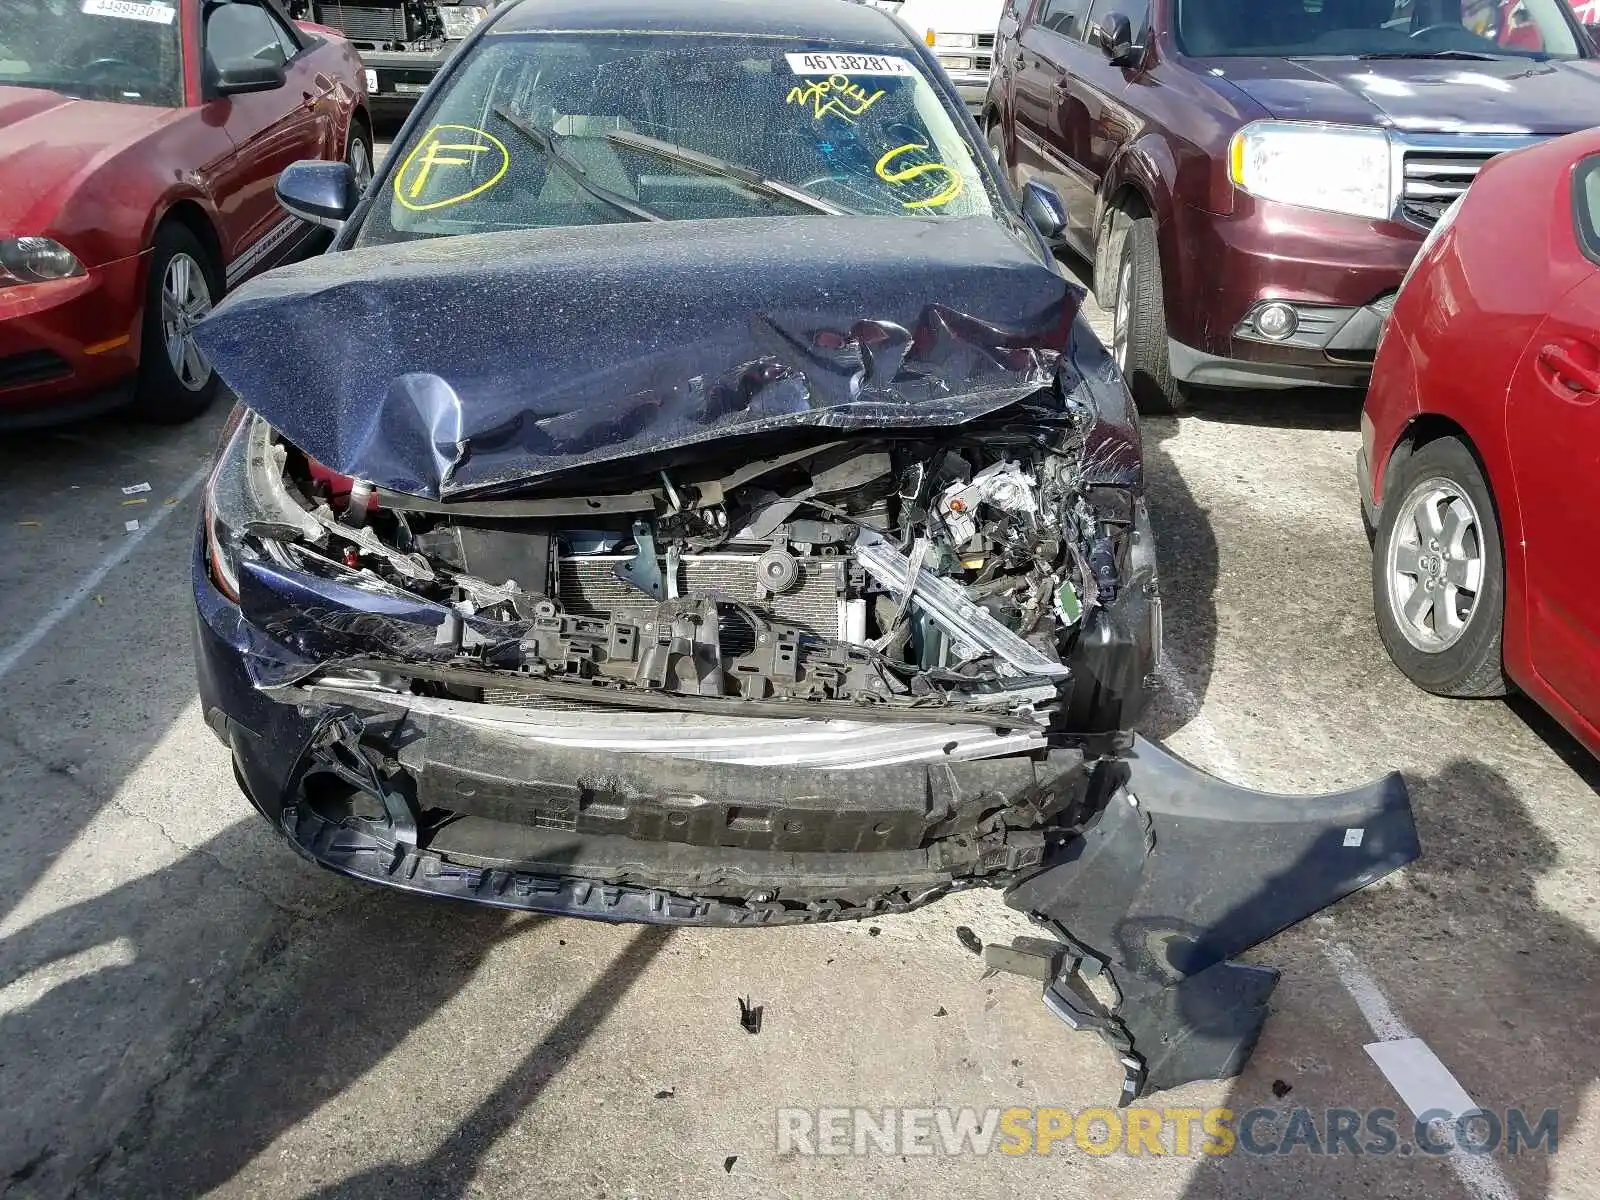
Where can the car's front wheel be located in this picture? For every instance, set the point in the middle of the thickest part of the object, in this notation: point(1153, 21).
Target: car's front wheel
point(1438, 572)
point(176, 382)
point(1139, 321)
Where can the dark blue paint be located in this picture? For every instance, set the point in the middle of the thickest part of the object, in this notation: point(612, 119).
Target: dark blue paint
point(453, 365)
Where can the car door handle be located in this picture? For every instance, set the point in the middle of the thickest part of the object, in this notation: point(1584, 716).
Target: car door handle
point(1569, 372)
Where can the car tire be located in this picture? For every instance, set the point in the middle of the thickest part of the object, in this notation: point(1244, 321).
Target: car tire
point(358, 152)
point(175, 381)
point(995, 136)
point(1139, 321)
point(1438, 573)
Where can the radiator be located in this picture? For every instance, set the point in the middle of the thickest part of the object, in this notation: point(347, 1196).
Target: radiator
point(366, 23)
point(588, 586)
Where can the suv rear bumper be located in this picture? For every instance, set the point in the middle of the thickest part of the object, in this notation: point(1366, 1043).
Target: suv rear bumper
point(1339, 273)
point(973, 87)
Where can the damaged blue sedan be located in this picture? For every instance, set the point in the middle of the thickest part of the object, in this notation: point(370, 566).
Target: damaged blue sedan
point(688, 492)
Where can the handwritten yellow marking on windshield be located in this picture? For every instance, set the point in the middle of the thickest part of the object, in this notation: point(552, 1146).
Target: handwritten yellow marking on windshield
point(835, 94)
point(952, 187)
point(479, 152)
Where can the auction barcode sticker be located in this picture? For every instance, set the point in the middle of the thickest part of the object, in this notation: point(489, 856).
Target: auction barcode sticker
point(131, 10)
point(849, 64)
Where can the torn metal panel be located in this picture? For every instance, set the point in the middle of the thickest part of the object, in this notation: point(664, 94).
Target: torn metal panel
point(684, 332)
point(975, 630)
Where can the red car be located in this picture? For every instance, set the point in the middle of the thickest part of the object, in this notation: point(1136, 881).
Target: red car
point(1480, 459)
point(141, 140)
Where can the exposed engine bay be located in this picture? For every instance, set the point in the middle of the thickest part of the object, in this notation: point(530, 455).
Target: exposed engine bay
point(893, 578)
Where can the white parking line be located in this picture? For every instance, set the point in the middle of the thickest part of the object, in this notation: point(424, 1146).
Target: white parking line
point(23, 646)
point(1416, 1073)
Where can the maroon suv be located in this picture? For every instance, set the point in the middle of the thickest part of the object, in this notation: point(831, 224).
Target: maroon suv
point(1251, 178)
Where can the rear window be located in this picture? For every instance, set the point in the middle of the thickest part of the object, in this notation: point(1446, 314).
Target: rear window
point(590, 129)
point(1387, 28)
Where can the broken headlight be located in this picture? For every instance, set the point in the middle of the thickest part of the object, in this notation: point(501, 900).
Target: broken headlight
point(461, 19)
point(247, 508)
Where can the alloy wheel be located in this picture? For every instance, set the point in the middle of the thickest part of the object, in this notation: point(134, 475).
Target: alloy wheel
point(1435, 564)
point(185, 300)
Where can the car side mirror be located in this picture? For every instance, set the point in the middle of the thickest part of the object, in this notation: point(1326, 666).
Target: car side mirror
point(241, 75)
point(1044, 209)
point(323, 193)
point(1114, 36)
point(1592, 28)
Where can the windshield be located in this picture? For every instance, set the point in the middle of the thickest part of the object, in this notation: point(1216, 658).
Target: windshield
point(1380, 28)
point(120, 50)
point(580, 130)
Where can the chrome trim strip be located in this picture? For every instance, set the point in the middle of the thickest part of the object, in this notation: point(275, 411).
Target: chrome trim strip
point(1466, 144)
point(273, 239)
point(829, 745)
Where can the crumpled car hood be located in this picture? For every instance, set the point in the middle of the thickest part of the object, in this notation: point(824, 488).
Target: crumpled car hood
point(463, 364)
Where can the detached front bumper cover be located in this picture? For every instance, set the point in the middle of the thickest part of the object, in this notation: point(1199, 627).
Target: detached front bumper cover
point(1178, 873)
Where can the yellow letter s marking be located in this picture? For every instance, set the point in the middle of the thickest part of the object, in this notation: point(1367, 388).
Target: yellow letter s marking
point(952, 187)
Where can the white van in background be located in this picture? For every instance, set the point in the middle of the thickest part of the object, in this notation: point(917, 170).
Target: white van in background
point(961, 33)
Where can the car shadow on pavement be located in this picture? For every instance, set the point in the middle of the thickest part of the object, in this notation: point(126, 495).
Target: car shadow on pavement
point(1332, 409)
point(323, 1002)
point(450, 1168)
point(1472, 959)
point(1186, 556)
point(274, 1017)
point(1186, 543)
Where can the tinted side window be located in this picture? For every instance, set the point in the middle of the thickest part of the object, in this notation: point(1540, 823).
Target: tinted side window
point(1586, 205)
point(1065, 17)
point(241, 31)
point(287, 38)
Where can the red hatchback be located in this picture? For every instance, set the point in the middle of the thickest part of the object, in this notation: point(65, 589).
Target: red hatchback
point(1480, 459)
point(141, 140)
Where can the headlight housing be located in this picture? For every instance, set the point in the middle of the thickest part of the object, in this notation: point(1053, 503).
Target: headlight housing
point(1335, 168)
point(36, 260)
point(248, 511)
point(952, 41)
point(955, 62)
point(460, 19)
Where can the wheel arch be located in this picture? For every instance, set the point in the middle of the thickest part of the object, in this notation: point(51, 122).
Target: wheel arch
point(193, 217)
point(191, 214)
point(1428, 427)
point(1135, 184)
point(359, 116)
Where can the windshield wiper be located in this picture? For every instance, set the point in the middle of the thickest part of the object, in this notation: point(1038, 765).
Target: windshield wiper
point(1465, 55)
point(710, 165)
point(574, 170)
